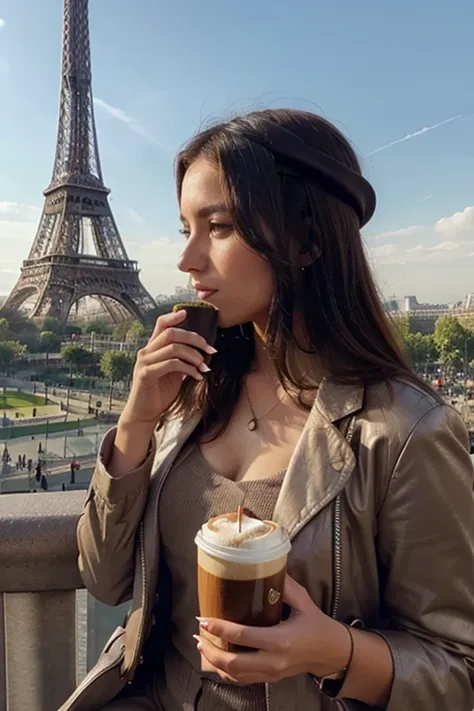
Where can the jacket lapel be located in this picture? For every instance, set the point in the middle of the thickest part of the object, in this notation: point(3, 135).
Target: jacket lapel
point(322, 461)
point(147, 558)
point(165, 457)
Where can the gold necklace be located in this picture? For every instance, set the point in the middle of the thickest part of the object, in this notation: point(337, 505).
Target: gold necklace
point(252, 424)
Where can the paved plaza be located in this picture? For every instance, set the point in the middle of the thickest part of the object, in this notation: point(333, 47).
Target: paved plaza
point(57, 452)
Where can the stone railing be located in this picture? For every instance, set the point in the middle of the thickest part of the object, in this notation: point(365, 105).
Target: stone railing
point(49, 633)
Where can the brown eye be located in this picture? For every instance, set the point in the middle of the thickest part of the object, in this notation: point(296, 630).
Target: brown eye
point(218, 228)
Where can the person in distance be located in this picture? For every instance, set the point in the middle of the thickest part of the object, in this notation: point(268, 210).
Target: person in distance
point(309, 415)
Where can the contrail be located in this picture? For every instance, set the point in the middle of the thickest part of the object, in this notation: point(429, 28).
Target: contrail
point(426, 129)
point(130, 121)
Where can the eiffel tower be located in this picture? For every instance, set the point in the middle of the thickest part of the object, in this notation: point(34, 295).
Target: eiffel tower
point(76, 215)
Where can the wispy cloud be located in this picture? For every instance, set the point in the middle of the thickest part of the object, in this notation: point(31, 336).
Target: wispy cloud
point(428, 197)
point(420, 253)
point(2, 23)
point(384, 251)
point(402, 232)
point(435, 261)
point(457, 231)
point(442, 247)
point(409, 136)
point(135, 217)
point(132, 123)
point(18, 211)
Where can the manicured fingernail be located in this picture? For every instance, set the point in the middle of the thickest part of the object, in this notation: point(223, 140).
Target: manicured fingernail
point(210, 350)
point(204, 368)
point(203, 622)
point(198, 640)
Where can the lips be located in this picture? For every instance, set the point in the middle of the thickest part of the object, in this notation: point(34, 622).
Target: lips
point(203, 292)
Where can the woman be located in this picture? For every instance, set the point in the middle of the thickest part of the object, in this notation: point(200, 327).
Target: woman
point(364, 465)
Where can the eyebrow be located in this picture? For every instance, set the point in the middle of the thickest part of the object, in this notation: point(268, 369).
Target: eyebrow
point(209, 210)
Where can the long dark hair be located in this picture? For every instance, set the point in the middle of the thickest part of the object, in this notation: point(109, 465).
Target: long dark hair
point(343, 321)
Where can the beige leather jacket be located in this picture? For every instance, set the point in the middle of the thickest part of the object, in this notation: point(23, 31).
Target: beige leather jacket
point(382, 531)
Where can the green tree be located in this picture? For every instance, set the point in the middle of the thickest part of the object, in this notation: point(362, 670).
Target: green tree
point(18, 321)
point(79, 358)
point(10, 351)
point(49, 342)
point(163, 308)
point(469, 346)
point(403, 325)
point(420, 349)
point(52, 324)
point(21, 329)
point(5, 331)
point(120, 330)
point(98, 326)
point(452, 340)
point(70, 328)
point(116, 366)
point(431, 349)
point(29, 339)
point(135, 331)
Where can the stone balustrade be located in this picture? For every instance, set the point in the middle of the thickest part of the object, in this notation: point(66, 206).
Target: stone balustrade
point(40, 658)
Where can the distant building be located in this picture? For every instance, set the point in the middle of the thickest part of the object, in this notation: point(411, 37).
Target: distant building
point(181, 293)
point(391, 305)
point(185, 293)
point(469, 301)
point(409, 303)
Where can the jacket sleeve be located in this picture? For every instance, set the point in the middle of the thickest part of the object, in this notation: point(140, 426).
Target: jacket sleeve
point(107, 528)
point(426, 546)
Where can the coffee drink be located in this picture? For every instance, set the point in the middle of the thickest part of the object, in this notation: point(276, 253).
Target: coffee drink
point(241, 570)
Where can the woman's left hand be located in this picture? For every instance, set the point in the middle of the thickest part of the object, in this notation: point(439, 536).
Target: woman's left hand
point(308, 642)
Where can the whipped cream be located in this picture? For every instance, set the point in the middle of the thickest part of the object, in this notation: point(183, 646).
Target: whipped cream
point(254, 534)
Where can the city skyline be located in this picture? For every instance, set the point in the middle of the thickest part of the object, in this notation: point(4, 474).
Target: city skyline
point(417, 150)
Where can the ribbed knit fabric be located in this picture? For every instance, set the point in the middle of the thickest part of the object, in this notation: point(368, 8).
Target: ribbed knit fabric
point(192, 494)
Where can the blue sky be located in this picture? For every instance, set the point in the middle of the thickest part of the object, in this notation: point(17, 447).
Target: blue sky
point(381, 71)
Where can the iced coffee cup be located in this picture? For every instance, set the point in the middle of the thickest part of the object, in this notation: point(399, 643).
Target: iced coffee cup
point(241, 571)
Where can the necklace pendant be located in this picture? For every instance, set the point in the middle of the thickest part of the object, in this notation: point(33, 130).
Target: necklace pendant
point(252, 424)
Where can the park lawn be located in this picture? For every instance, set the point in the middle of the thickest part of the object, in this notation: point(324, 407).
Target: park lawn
point(17, 400)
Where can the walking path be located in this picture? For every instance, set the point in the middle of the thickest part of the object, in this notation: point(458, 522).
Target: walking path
point(56, 456)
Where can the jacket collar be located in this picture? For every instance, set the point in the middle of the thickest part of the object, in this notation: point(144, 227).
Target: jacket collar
point(322, 461)
point(337, 401)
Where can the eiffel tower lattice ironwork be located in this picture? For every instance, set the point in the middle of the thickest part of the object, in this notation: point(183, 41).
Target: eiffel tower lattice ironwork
point(76, 214)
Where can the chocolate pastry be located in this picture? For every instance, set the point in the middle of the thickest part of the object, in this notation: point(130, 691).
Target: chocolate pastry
point(201, 318)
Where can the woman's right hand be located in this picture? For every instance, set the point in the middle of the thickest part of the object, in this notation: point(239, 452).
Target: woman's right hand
point(169, 357)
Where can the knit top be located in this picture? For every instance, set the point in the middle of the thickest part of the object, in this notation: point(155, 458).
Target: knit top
point(193, 493)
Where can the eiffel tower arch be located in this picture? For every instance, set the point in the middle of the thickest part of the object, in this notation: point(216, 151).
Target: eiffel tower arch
point(77, 217)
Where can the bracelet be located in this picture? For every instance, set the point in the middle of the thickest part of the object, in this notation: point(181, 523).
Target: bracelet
point(331, 684)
